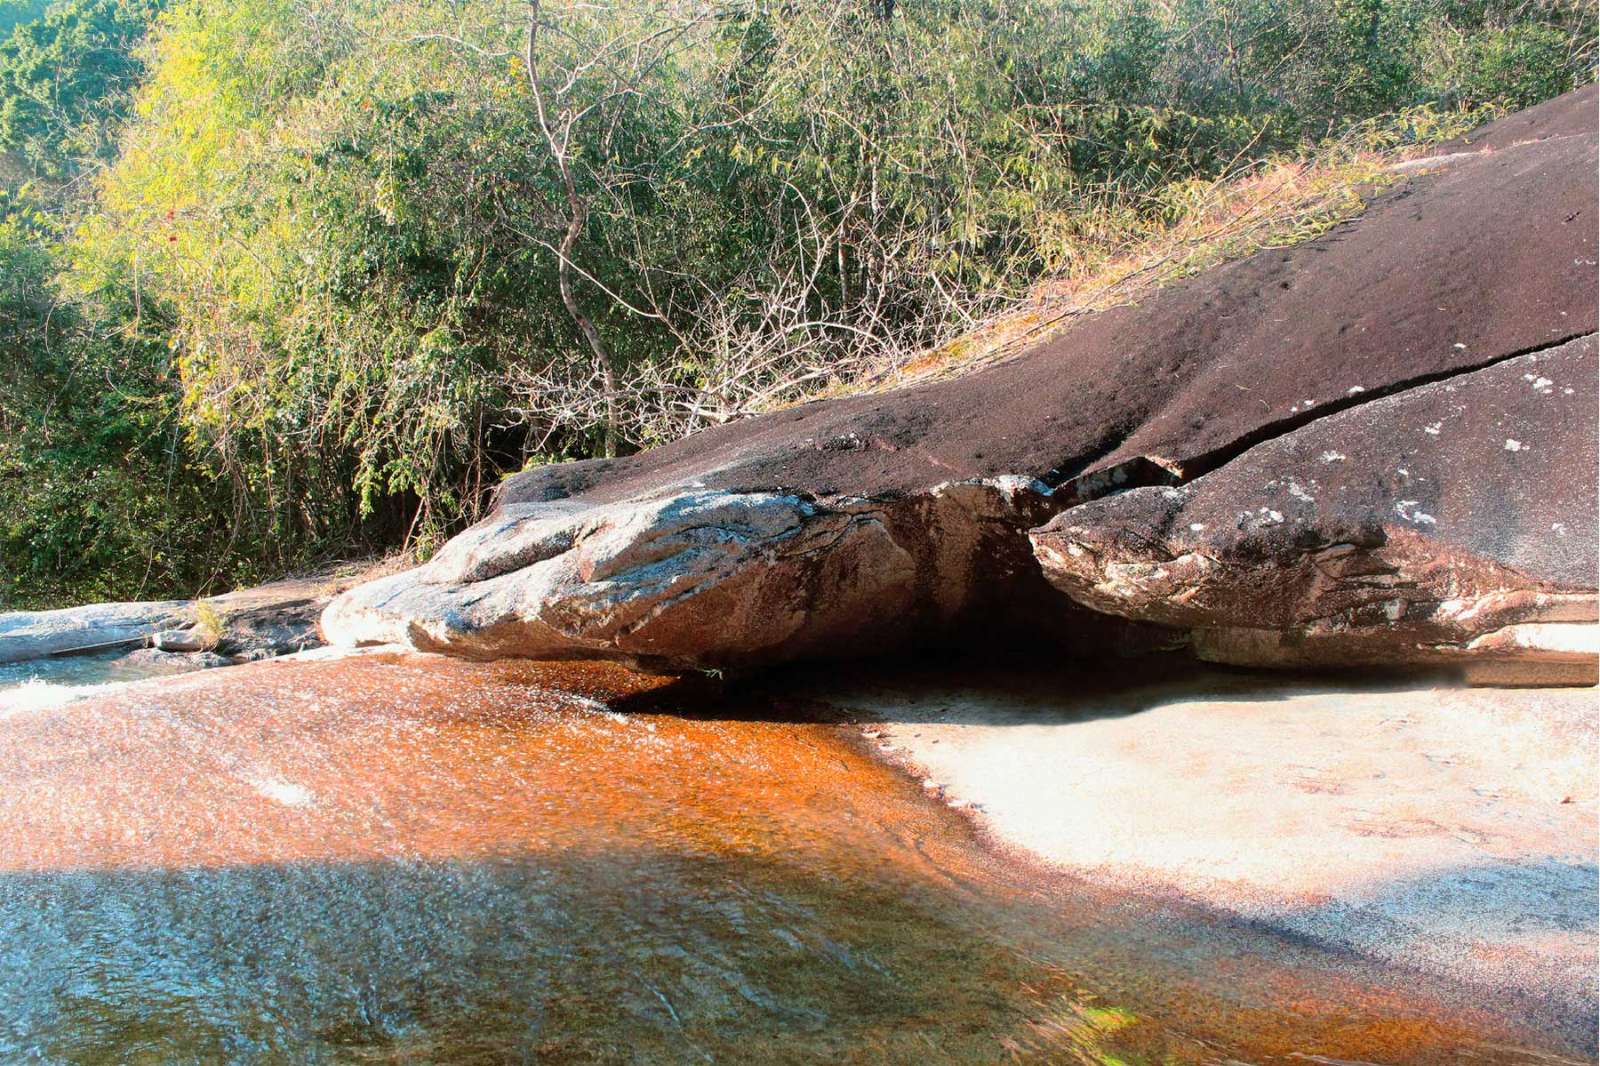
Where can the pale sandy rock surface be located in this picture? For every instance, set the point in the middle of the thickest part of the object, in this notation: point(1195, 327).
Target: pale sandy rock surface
point(1443, 829)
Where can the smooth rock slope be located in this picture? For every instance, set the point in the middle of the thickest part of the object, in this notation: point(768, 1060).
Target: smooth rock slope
point(271, 619)
point(35, 634)
point(849, 525)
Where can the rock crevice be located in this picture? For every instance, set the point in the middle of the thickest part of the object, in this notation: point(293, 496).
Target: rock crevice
point(1410, 529)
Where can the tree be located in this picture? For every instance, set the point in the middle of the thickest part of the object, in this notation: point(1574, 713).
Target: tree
point(65, 79)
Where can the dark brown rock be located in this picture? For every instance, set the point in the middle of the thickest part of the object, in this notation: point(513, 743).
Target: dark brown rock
point(1571, 115)
point(856, 523)
point(277, 618)
point(1454, 518)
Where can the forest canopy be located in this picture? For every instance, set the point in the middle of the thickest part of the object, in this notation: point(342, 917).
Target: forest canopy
point(287, 280)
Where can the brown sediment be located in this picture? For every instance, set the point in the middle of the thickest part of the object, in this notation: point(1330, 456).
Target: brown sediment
point(670, 808)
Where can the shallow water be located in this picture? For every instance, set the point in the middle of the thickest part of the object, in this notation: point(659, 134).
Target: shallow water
point(58, 679)
point(410, 859)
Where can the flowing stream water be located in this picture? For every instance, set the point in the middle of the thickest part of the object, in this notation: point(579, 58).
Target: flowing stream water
point(54, 680)
point(409, 859)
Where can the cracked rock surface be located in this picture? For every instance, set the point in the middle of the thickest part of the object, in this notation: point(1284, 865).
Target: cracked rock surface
point(1455, 519)
point(851, 525)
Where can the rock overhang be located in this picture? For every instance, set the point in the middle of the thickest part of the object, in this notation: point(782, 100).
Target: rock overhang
point(761, 540)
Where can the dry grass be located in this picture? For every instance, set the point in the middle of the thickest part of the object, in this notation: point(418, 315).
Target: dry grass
point(1118, 256)
point(210, 624)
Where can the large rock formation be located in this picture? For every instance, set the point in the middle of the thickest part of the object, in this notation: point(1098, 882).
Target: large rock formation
point(707, 577)
point(245, 624)
point(1454, 519)
point(851, 524)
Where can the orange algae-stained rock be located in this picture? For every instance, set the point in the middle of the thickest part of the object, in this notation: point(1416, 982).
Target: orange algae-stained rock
point(417, 857)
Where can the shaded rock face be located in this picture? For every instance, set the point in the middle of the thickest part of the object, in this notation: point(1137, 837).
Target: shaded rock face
point(1455, 518)
point(707, 578)
point(277, 618)
point(851, 525)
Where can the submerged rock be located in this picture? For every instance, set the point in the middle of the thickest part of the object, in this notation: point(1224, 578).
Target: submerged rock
point(1437, 828)
point(849, 525)
point(533, 862)
point(1455, 519)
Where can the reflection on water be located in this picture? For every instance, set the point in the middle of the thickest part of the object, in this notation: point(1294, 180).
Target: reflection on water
point(657, 958)
point(388, 859)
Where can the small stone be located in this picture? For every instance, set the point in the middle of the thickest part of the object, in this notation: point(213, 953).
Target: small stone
point(180, 640)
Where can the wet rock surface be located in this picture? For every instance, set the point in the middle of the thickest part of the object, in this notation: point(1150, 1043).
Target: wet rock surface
point(851, 525)
point(256, 623)
point(1395, 821)
point(413, 858)
point(34, 634)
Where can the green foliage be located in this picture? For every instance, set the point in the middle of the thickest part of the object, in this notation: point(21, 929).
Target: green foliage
point(64, 78)
point(96, 500)
point(14, 13)
point(315, 300)
point(1515, 66)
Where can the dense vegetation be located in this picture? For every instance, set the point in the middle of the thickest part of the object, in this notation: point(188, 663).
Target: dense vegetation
point(284, 279)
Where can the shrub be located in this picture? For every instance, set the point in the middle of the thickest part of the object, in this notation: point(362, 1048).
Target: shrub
point(351, 261)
